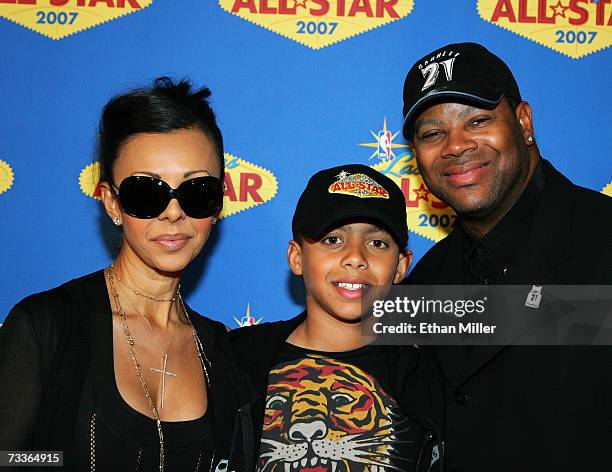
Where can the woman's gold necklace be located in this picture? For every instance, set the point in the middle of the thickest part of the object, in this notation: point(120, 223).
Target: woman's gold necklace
point(164, 352)
point(144, 295)
point(164, 360)
point(130, 341)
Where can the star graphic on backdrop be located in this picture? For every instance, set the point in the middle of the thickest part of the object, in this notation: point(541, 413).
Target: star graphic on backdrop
point(247, 320)
point(375, 144)
point(342, 175)
point(422, 192)
point(559, 9)
point(300, 3)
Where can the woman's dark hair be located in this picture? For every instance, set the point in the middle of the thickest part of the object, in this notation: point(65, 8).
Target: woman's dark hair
point(166, 106)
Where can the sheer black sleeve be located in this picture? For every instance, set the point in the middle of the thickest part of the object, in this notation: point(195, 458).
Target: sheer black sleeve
point(21, 385)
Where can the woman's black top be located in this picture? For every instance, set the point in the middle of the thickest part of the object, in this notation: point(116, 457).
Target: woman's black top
point(56, 372)
point(121, 438)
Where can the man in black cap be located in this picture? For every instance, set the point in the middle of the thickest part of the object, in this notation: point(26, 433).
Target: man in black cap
point(519, 222)
point(323, 398)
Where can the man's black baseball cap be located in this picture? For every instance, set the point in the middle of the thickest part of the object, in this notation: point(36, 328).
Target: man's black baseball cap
point(348, 192)
point(465, 71)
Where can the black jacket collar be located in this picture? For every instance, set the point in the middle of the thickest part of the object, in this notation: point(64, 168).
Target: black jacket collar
point(549, 243)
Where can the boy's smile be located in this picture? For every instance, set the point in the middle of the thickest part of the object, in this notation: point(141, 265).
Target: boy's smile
point(351, 290)
point(344, 265)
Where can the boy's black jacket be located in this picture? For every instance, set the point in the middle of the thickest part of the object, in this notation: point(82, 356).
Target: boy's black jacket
point(255, 350)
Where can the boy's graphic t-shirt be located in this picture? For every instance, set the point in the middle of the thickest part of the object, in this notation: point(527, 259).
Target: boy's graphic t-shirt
point(334, 412)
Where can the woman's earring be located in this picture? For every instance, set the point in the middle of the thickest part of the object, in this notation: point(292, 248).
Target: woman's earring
point(117, 221)
point(214, 221)
point(530, 139)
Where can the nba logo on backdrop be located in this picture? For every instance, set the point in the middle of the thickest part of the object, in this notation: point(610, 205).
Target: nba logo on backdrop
point(571, 27)
point(319, 23)
point(384, 144)
point(248, 319)
point(60, 18)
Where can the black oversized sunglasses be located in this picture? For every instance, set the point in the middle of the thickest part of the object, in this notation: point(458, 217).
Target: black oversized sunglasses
point(147, 197)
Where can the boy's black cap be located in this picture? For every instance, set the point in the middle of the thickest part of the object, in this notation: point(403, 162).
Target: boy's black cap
point(465, 71)
point(346, 192)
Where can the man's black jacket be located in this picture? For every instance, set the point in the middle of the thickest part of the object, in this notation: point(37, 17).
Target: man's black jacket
point(533, 408)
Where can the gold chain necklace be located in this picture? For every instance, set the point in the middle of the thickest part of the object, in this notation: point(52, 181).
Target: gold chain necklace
point(164, 360)
point(131, 343)
point(144, 295)
point(164, 352)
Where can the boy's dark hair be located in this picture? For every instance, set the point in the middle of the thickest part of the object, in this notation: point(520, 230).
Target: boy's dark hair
point(166, 106)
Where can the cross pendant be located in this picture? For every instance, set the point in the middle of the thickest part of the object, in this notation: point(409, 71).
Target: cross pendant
point(163, 373)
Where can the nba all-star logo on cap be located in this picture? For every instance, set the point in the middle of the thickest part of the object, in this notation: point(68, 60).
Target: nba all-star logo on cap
point(319, 23)
point(357, 185)
point(572, 27)
point(60, 18)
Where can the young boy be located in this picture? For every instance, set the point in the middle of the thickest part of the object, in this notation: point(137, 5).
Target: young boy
point(325, 400)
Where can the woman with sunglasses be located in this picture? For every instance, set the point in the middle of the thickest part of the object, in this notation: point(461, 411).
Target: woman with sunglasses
point(113, 368)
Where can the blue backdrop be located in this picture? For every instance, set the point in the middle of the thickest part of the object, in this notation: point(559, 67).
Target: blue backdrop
point(286, 109)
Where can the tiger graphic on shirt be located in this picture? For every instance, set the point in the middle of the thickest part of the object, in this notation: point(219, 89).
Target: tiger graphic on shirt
point(323, 415)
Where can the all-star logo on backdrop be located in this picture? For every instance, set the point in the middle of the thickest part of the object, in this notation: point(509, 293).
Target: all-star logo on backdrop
point(60, 18)
point(246, 184)
point(6, 176)
point(426, 215)
point(571, 27)
point(89, 181)
point(607, 190)
point(319, 23)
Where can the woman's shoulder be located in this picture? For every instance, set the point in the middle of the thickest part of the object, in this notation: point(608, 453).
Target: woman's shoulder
point(60, 296)
point(206, 324)
point(46, 312)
